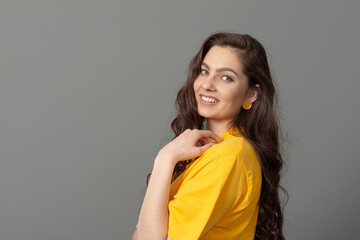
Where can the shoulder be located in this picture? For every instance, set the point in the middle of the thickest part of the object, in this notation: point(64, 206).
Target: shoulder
point(233, 145)
point(235, 148)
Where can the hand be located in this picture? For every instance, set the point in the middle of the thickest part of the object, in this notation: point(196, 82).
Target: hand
point(189, 144)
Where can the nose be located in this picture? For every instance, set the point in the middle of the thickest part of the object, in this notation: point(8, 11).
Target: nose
point(208, 84)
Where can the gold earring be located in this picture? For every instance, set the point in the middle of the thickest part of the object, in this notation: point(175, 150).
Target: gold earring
point(247, 104)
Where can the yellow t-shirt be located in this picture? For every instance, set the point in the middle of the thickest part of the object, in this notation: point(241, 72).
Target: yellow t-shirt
point(217, 196)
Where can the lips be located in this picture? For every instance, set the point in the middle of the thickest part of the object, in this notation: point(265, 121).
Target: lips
point(209, 99)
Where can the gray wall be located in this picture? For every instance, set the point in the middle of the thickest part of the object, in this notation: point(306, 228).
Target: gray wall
point(86, 100)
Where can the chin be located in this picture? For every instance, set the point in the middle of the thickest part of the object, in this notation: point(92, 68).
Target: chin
point(203, 114)
point(208, 116)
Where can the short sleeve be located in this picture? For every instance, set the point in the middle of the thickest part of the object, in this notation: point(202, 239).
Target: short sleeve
point(206, 197)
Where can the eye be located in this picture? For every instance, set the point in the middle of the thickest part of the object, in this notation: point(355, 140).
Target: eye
point(204, 72)
point(227, 78)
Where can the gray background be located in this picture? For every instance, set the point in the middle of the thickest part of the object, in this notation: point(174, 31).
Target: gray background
point(87, 90)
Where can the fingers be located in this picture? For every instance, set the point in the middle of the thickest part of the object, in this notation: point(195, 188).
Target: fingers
point(191, 143)
point(203, 141)
point(205, 147)
point(209, 134)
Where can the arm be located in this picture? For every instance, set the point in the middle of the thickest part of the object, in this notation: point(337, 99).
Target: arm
point(135, 236)
point(153, 218)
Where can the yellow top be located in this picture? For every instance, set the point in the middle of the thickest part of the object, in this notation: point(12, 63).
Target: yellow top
point(217, 196)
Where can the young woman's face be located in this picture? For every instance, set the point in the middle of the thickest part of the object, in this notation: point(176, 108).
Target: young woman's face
point(221, 86)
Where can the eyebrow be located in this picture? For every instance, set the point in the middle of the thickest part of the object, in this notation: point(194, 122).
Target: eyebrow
point(220, 69)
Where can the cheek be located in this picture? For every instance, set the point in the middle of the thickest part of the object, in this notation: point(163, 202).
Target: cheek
point(232, 95)
point(196, 85)
point(234, 98)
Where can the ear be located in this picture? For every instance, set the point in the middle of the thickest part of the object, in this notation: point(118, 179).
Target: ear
point(253, 93)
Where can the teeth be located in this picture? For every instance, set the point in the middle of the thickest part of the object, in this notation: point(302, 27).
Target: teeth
point(209, 100)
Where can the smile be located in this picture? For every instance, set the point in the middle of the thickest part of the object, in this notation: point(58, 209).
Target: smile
point(209, 99)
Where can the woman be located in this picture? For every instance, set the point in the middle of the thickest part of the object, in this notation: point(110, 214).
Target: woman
point(220, 182)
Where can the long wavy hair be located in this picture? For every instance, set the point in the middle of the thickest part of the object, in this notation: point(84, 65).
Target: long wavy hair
point(259, 125)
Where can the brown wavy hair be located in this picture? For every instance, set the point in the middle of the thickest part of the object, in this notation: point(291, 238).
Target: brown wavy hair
point(259, 124)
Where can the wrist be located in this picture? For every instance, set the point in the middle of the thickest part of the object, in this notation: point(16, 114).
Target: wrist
point(165, 159)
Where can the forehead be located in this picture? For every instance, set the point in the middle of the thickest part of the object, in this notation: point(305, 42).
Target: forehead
point(221, 57)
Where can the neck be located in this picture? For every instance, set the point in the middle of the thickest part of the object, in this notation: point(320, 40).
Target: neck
point(217, 126)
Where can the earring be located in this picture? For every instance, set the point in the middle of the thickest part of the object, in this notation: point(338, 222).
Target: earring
point(247, 104)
